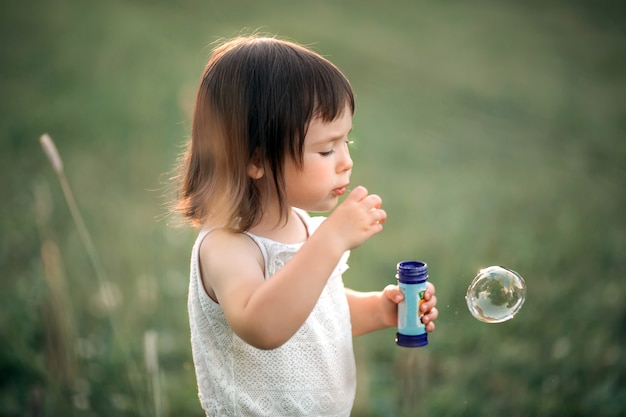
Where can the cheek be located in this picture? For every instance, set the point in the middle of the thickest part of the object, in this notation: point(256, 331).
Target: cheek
point(317, 172)
point(320, 166)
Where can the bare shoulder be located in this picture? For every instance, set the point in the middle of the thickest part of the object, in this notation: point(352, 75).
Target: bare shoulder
point(228, 258)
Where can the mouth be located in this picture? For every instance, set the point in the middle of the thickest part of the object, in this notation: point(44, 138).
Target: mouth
point(340, 191)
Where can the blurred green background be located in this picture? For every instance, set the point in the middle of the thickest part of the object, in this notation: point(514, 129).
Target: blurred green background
point(494, 131)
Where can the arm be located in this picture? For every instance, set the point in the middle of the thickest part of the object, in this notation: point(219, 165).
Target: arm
point(370, 311)
point(267, 313)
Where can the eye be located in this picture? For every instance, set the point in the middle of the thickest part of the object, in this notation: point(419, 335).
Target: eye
point(347, 142)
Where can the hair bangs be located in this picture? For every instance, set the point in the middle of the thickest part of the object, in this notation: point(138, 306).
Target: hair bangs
point(332, 92)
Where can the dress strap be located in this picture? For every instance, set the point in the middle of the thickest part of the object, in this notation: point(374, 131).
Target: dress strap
point(263, 249)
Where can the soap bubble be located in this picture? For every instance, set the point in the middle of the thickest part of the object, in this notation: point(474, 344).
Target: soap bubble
point(496, 294)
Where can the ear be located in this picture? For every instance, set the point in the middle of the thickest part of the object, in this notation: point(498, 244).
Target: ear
point(255, 170)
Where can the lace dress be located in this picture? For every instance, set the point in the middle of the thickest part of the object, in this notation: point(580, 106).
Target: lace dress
point(312, 374)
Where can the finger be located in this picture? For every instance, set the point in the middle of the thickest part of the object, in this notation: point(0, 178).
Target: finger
point(378, 215)
point(393, 293)
point(358, 193)
point(382, 214)
point(430, 288)
point(373, 201)
point(375, 228)
point(429, 305)
point(431, 316)
point(429, 320)
point(430, 327)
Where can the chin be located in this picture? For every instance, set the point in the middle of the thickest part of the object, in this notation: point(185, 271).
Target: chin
point(327, 208)
point(322, 208)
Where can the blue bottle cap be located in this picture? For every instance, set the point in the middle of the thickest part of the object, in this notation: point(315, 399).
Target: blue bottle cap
point(412, 272)
point(411, 341)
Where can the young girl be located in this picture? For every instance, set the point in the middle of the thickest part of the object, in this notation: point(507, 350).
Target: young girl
point(271, 322)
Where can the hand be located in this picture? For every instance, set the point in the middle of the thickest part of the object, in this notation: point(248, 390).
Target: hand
point(355, 220)
point(392, 296)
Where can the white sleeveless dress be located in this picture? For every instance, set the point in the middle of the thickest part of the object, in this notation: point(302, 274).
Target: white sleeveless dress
point(312, 374)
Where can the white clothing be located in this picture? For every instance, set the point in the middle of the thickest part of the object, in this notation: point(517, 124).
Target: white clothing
point(312, 374)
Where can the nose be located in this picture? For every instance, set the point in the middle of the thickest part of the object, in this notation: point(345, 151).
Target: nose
point(345, 162)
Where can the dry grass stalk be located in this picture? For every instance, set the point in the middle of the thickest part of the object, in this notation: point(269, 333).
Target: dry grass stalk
point(52, 153)
point(59, 318)
point(57, 163)
point(151, 356)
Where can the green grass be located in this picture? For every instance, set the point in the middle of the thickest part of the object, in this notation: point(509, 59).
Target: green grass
point(494, 131)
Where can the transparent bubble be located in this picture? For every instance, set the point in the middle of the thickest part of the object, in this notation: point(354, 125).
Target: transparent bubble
point(496, 294)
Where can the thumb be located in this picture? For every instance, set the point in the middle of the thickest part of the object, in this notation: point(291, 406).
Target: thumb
point(393, 293)
point(358, 194)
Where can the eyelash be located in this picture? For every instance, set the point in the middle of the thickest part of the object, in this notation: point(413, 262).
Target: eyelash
point(332, 151)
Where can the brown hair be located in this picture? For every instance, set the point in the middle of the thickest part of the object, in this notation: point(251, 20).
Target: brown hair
point(254, 104)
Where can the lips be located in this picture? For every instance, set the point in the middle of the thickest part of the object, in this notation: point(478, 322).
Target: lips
point(340, 191)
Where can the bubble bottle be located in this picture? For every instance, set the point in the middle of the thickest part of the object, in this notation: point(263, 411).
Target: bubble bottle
point(411, 276)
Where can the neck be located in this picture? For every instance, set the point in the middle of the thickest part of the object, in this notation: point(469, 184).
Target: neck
point(289, 230)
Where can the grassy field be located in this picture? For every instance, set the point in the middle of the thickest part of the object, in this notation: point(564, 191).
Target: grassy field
point(495, 133)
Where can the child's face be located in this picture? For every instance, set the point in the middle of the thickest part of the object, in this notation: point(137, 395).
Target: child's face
point(325, 173)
